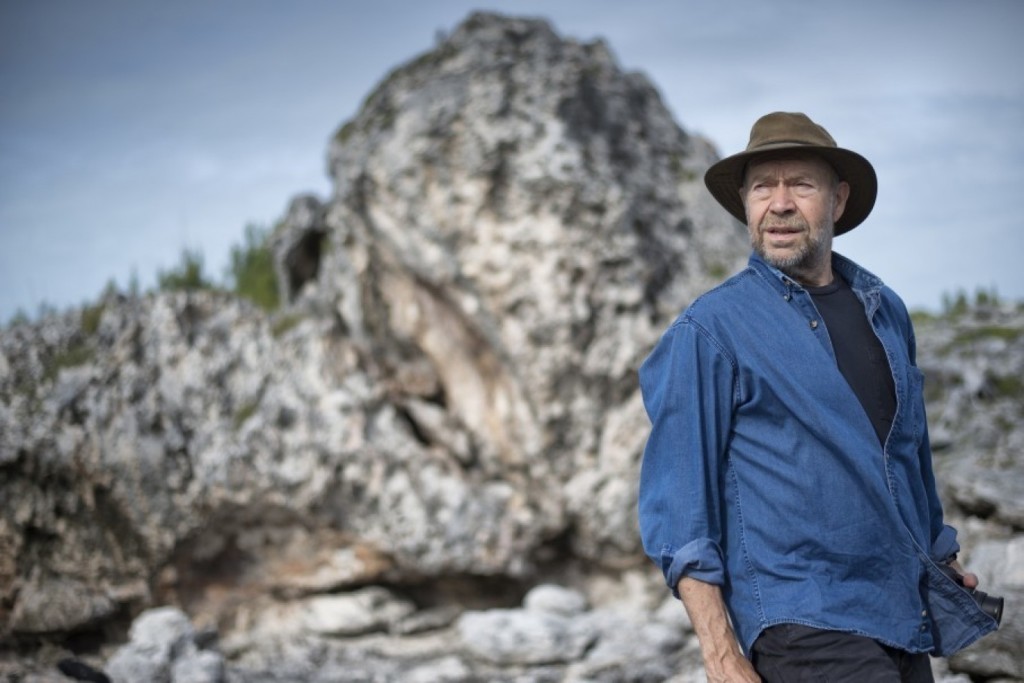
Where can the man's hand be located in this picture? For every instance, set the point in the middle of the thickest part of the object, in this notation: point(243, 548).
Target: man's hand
point(734, 670)
point(723, 661)
point(969, 580)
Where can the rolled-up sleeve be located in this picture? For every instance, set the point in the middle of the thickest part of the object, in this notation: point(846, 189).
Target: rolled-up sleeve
point(689, 389)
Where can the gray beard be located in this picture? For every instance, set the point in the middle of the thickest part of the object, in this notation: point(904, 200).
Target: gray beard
point(808, 256)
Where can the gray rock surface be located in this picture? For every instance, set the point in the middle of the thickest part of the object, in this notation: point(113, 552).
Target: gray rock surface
point(162, 649)
point(423, 467)
point(507, 637)
point(974, 365)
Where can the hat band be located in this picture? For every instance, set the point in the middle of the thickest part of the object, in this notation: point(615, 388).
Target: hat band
point(803, 143)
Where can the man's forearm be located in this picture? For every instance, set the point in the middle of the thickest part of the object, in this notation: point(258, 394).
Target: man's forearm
point(723, 659)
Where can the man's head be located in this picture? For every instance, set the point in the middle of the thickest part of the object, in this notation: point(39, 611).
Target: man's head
point(792, 135)
point(792, 201)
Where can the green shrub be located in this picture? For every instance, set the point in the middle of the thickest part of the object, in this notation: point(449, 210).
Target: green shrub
point(954, 304)
point(75, 355)
point(345, 132)
point(959, 303)
point(20, 317)
point(1007, 386)
point(984, 298)
point(251, 271)
point(1008, 334)
point(718, 271)
point(90, 318)
point(283, 324)
point(921, 317)
point(187, 275)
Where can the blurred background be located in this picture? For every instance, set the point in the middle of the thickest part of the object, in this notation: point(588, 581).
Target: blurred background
point(130, 132)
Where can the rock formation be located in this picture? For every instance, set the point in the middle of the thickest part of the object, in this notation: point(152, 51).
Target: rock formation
point(424, 466)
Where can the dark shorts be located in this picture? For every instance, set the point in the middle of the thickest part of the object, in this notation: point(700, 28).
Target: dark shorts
point(791, 653)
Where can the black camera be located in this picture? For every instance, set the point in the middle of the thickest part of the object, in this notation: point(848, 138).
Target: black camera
point(989, 604)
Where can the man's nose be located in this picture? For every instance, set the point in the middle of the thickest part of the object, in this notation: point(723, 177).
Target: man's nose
point(782, 199)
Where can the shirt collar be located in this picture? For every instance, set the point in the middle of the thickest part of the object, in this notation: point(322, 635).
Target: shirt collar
point(859, 278)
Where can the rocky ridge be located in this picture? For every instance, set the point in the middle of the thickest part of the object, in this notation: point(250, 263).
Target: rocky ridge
point(424, 466)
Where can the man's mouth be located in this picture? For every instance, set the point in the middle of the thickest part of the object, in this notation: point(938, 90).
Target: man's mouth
point(787, 226)
point(782, 230)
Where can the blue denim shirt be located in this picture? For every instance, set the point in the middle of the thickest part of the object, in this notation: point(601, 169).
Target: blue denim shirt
point(763, 475)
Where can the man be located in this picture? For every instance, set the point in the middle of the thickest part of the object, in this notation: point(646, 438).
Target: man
point(787, 489)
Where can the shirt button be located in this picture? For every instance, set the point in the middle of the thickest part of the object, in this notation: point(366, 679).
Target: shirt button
point(814, 324)
point(924, 613)
point(923, 627)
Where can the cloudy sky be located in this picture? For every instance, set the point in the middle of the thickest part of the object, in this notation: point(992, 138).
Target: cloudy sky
point(130, 131)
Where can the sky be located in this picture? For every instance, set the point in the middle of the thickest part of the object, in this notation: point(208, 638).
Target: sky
point(132, 131)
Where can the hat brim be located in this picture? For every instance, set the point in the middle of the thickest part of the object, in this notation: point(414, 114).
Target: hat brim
point(725, 178)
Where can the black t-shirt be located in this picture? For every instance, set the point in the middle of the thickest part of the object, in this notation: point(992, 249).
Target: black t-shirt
point(859, 354)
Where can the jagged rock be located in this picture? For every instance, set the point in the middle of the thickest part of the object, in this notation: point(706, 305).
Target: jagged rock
point(198, 667)
point(365, 611)
point(556, 600)
point(449, 669)
point(162, 649)
point(297, 245)
point(521, 192)
point(424, 620)
point(973, 363)
point(520, 637)
point(634, 651)
point(58, 605)
point(447, 406)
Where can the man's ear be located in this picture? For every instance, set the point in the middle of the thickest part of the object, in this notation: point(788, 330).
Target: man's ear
point(842, 194)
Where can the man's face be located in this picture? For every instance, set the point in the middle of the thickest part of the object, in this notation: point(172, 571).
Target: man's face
point(792, 205)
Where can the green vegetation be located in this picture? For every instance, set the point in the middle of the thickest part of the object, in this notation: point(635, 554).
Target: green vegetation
point(250, 275)
point(91, 316)
point(717, 270)
point(1007, 386)
point(251, 270)
point(244, 412)
point(20, 317)
point(284, 323)
point(75, 355)
point(959, 303)
point(920, 317)
point(345, 132)
point(683, 174)
point(186, 276)
point(1009, 334)
point(954, 304)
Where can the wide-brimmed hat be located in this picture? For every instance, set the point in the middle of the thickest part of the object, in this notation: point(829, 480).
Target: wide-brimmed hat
point(782, 132)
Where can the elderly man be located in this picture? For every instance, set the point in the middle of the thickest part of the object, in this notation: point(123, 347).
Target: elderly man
point(787, 489)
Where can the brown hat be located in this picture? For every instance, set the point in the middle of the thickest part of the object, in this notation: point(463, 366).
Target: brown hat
point(793, 131)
